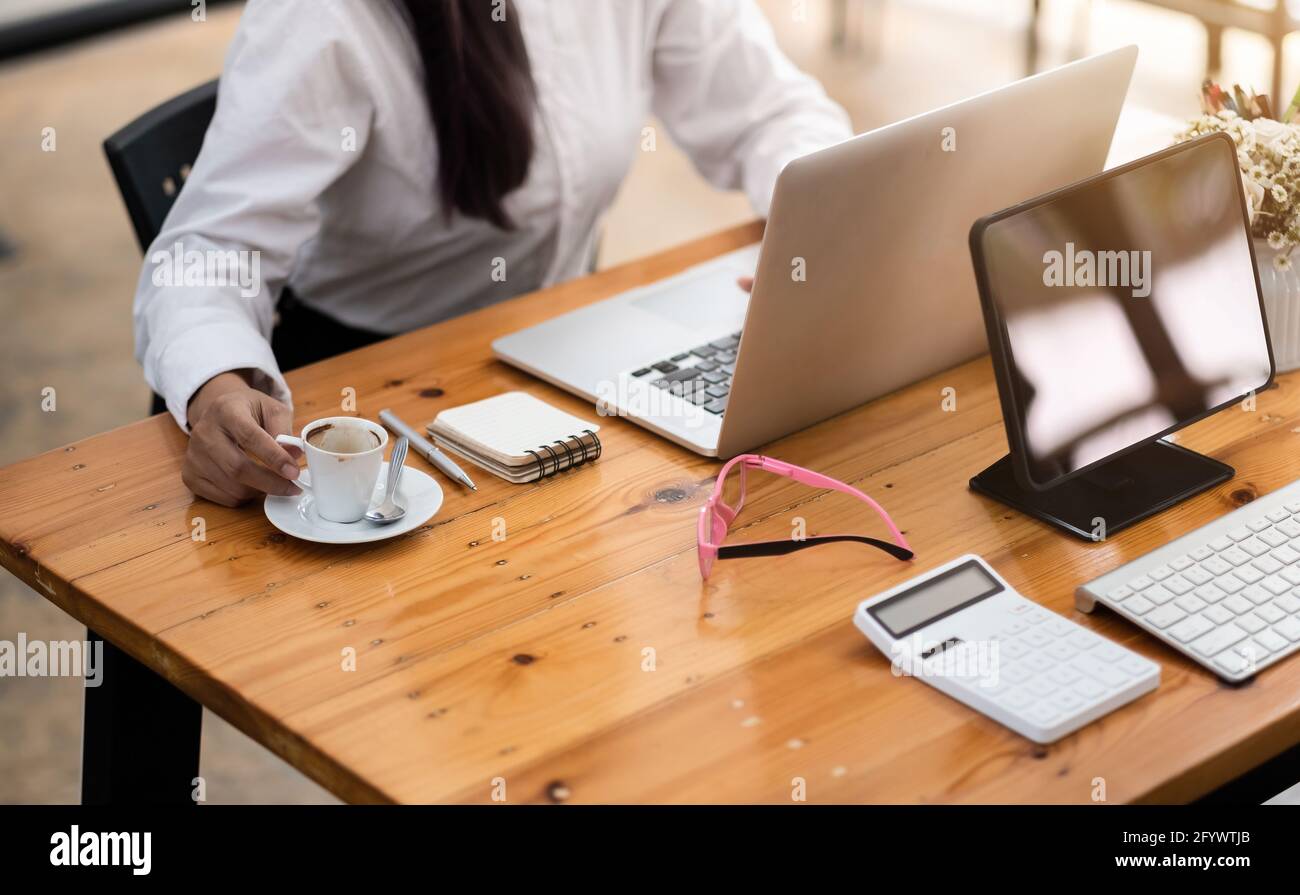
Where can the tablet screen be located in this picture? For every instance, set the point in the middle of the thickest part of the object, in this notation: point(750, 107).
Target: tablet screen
point(1129, 305)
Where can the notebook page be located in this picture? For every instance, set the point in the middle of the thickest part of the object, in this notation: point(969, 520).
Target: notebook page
point(506, 427)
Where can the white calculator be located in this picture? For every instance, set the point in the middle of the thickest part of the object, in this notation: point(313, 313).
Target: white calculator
point(963, 630)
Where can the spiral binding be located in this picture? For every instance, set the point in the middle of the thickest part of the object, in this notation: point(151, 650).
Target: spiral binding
point(581, 444)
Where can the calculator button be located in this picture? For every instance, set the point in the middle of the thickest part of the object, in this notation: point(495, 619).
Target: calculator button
point(1218, 640)
point(1121, 593)
point(1063, 675)
point(1095, 668)
point(1020, 608)
point(1017, 674)
point(1066, 701)
point(1158, 594)
point(1142, 582)
point(1017, 699)
point(1251, 651)
point(1190, 603)
point(1134, 665)
point(1288, 628)
point(1230, 661)
point(1036, 638)
point(1108, 652)
point(1219, 615)
point(1013, 649)
point(1060, 651)
point(1014, 628)
point(1251, 622)
point(1088, 688)
point(1082, 640)
point(1036, 616)
point(1041, 687)
point(1042, 714)
point(1058, 627)
point(1138, 605)
point(1165, 616)
point(1038, 662)
point(1190, 628)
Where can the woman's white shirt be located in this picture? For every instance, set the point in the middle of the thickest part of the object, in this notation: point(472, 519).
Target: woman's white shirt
point(319, 168)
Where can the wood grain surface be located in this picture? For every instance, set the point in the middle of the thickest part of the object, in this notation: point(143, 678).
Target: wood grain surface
point(580, 658)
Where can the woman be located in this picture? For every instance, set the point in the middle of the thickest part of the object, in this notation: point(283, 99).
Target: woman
point(378, 163)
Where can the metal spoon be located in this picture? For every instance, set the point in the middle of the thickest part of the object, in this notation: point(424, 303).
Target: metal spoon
point(390, 510)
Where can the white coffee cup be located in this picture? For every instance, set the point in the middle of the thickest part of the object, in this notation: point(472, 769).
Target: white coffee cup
point(344, 469)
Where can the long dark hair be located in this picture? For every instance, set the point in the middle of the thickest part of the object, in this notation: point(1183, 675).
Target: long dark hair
point(481, 99)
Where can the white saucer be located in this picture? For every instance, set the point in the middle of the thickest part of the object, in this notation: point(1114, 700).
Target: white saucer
point(296, 516)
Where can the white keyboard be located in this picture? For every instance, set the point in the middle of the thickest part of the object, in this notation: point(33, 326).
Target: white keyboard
point(1226, 595)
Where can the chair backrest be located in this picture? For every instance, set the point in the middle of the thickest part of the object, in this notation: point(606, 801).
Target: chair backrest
point(151, 157)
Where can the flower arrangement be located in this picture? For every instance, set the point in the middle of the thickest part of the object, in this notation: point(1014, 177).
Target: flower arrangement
point(1268, 152)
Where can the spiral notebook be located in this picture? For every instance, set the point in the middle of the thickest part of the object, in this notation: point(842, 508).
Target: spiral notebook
point(517, 437)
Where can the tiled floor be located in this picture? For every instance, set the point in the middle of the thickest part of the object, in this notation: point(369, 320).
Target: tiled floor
point(65, 295)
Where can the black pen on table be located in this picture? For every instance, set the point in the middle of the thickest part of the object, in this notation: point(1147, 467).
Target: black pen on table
point(426, 449)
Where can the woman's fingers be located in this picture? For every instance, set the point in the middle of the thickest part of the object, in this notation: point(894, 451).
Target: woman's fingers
point(247, 432)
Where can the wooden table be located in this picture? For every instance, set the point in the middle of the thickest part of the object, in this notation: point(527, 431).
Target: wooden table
point(581, 659)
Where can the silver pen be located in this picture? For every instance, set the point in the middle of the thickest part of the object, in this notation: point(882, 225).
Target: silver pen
point(426, 449)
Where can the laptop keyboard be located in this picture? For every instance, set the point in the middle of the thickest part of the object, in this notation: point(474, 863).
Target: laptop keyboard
point(701, 375)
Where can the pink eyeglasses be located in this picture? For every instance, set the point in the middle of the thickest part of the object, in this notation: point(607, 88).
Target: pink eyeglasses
point(716, 517)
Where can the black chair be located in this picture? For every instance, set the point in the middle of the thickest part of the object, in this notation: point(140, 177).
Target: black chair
point(151, 157)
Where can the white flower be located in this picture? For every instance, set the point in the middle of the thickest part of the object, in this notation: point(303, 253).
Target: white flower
point(1276, 240)
point(1282, 262)
point(1279, 194)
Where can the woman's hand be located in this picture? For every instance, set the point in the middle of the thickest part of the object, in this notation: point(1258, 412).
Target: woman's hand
point(233, 456)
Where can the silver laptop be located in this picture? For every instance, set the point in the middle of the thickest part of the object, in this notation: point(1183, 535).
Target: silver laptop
point(863, 282)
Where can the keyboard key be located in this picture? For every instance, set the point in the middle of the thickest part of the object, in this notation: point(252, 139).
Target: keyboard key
point(1271, 641)
point(725, 344)
point(1216, 566)
point(1141, 583)
point(1270, 613)
point(1177, 585)
point(1237, 534)
point(1190, 603)
point(717, 405)
point(713, 377)
point(1289, 528)
point(705, 366)
point(1190, 628)
point(1251, 651)
point(1160, 573)
point(1258, 525)
point(1275, 585)
point(1251, 622)
point(1209, 593)
point(1288, 603)
point(704, 351)
point(1218, 614)
point(1289, 628)
point(1273, 538)
point(1218, 640)
point(1236, 555)
point(680, 357)
point(1197, 575)
point(1255, 547)
point(717, 391)
point(1165, 616)
point(1158, 594)
point(1200, 554)
point(1256, 594)
point(1249, 574)
point(1292, 508)
point(1138, 605)
point(644, 371)
point(1291, 574)
point(1238, 604)
point(1231, 662)
point(665, 366)
point(1286, 554)
point(1268, 565)
point(1278, 516)
point(1121, 593)
point(1180, 563)
point(1229, 583)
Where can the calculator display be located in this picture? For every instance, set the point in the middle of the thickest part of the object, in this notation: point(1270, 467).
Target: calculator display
point(918, 606)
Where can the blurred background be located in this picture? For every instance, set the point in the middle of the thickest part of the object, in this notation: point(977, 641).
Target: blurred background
point(69, 260)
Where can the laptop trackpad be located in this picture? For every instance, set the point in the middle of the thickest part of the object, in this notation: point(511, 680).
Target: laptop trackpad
point(710, 303)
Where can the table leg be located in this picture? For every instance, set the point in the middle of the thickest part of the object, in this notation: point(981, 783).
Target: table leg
point(140, 740)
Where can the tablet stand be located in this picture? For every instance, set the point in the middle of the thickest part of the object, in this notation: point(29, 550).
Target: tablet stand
point(1115, 495)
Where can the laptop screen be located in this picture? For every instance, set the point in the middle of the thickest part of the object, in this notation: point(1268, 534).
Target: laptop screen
point(1129, 307)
